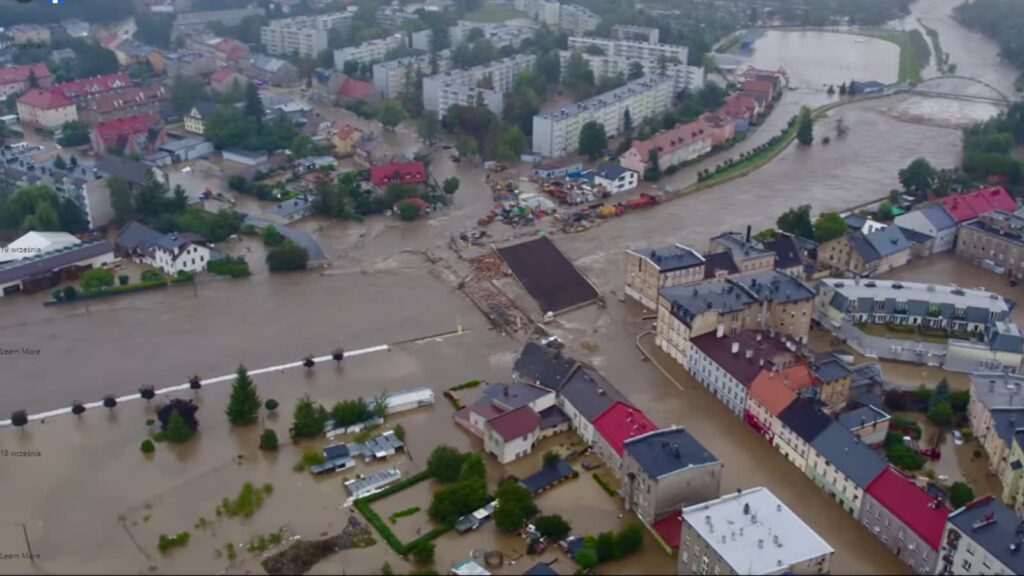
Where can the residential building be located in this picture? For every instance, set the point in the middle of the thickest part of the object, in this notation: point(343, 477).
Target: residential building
point(82, 184)
point(970, 205)
point(635, 33)
point(29, 34)
point(192, 22)
point(843, 466)
point(909, 304)
point(616, 425)
point(583, 396)
point(1013, 475)
point(770, 392)
point(188, 63)
point(45, 271)
point(683, 143)
point(870, 423)
point(866, 253)
point(139, 134)
point(344, 137)
point(36, 243)
point(195, 120)
point(171, 253)
point(512, 435)
point(618, 54)
point(500, 398)
point(441, 91)
point(665, 469)
point(788, 255)
point(747, 254)
point(245, 157)
point(499, 34)
point(906, 518)
point(995, 238)
point(392, 78)
point(393, 172)
point(17, 79)
point(47, 109)
point(749, 532)
point(767, 301)
point(996, 411)
point(81, 90)
point(649, 270)
point(393, 17)
point(270, 70)
point(615, 179)
point(982, 537)
point(543, 366)
point(180, 150)
point(833, 380)
point(933, 220)
point(123, 102)
point(728, 365)
point(577, 20)
point(800, 425)
point(556, 133)
point(369, 52)
point(303, 35)
point(227, 81)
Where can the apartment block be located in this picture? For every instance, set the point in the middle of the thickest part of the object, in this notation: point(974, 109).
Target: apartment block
point(303, 35)
point(498, 34)
point(617, 52)
point(636, 33)
point(982, 537)
point(192, 22)
point(556, 133)
point(462, 86)
point(368, 52)
point(997, 237)
point(577, 20)
point(648, 270)
point(391, 77)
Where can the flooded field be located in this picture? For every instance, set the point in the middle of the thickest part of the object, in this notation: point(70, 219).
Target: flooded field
point(815, 60)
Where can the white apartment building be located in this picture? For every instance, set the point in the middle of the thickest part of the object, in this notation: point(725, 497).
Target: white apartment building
point(441, 91)
point(618, 55)
point(630, 32)
point(543, 11)
point(577, 20)
point(390, 77)
point(303, 35)
point(499, 34)
point(367, 52)
point(556, 133)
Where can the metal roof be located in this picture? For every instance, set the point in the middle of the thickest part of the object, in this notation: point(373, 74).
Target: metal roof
point(50, 261)
point(670, 258)
point(994, 527)
point(666, 451)
point(845, 450)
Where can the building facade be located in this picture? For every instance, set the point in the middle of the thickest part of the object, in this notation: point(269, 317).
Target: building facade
point(996, 238)
point(982, 537)
point(303, 35)
point(391, 78)
point(369, 52)
point(46, 109)
point(907, 519)
point(650, 270)
point(440, 91)
point(843, 466)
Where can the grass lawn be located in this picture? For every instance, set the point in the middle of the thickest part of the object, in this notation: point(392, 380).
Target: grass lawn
point(884, 332)
point(494, 14)
point(914, 50)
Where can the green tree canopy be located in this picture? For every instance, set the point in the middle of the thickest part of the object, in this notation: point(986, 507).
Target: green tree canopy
point(515, 506)
point(288, 257)
point(592, 140)
point(553, 527)
point(805, 127)
point(445, 464)
point(96, 279)
point(308, 418)
point(918, 177)
point(829, 226)
point(456, 500)
point(960, 494)
point(390, 113)
point(797, 221)
point(244, 403)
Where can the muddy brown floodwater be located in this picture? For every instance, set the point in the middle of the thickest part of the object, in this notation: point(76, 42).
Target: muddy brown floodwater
point(89, 501)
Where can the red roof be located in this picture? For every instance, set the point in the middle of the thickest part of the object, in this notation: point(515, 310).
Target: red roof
point(94, 85)
point(345, 130)
point(670, 140)
point(355, 89)
point(12, 74)
point(669, 528)
point(738, 106)
point(777, 390)
point(44, 99)
point(763, 87)
point(221, 75)
point(973, 204)
point(515, 423)
point(911, 505)
point(231, 48)
point(126, 98)
point(404, 172)
point(620, 422)
point(127, 126)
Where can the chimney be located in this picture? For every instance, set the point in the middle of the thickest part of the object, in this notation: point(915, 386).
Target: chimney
point(749, 353)
point(748, 232)
point(735, 347)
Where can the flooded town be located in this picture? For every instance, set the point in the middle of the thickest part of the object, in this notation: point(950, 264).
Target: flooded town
point(510, 287)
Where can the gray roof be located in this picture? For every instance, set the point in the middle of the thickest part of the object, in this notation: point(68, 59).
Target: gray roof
point(854, 220)
point(773, 286)
point(888, 241)
point(805, 419)
point(938, 216)
point(976, 304)
point(1006, 421)
point(514, 395)
point(689, 301)
point(48, 262)
point(830, 370)
point(542, 365)
point(288, 208)
point(669, 258)
point(607, 98)
point(787, 253)
point(540, 569)
point(998, 390)
point(666, 451)
point(739, 247)
point(183, 144)
point(590, 393)
point(859, 244)
point(136, 236)
point(125, 168)
point(913, 236)
point(863, 416)
point(316, 253)
point(994, 536)
point(1005, 337)
point(610, 171)
point(844, 450)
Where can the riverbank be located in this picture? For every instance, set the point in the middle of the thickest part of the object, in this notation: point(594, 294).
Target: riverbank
point(914, 51)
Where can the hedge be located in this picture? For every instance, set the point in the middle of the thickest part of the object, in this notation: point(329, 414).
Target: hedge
point(414, 479)
point(436, 532)
point(363, 505)
point(364, 508)
point(605, 486)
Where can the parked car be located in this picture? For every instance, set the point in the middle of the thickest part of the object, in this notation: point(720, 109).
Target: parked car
point(958, 438)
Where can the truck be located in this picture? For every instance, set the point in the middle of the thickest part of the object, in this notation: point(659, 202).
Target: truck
point(642, 201)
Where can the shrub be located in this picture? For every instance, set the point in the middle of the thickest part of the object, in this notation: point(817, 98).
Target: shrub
point(246, 503)
point(165, 542)
point(271, 404)
point(959, 494)
point(310, 457)
point(287, 257)
point(268, 440)
point(147, 446)
point(408, 210)
point(423, 553)
point(152, 276)
point(235, 267)
point(553, 527)
point(604, 485)
point(445, 464)
point(272, 237)
point(403, 513)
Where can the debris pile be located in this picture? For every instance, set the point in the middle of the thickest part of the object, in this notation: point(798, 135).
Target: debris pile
point(304, 554)
point(488, 266)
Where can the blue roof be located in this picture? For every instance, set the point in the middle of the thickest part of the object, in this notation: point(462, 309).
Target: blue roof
point(611, 171)
point(844, 450)
point(674, 257)
point(663, 452)
point(888, 241)
point(540, 569)
point(547, 475)
point(938, 216)
point(995, 536)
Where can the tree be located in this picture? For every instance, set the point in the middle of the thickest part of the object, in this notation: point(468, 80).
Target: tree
point(308, 419)
point(578, 76)
point(177, 431)
point(805, 127)
point(627, 123)
point(592, 140)
point(552, 527)
point(797, 221)
point(629, 540)
point(253, 107)
point(551, 458)
point(940, 394)
point(466, 147)
point(456, 500)
point(185, 92)
point(450, 186)
point(829, 226)
point(302, 146)
point(186, 410)
point(408, 210)
point(400, 432)
point(586, 558)
point(941, 414)
point(918, 177)
point(473, 468)
point(147, 446)
point(19, 418)
point(445, 464)
point(271, 405)
point(74, 133)
point(287, 257)
point(960, 493)
point(96, 279)
point(272, 237)
point(77, 408)
point(70, 293)
point(429, 128)
point(244, 403)
point(109, 401)
point(605, 546)
point(423, 553)
point(147, 393)
point(268, 440)
point(59, 163)
point(515, 506)
point(390, 114)
point(636, 70)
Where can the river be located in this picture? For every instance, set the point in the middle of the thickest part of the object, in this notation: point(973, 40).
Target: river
point(90, 472)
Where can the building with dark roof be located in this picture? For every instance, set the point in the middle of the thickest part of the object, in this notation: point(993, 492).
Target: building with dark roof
point(869, 422)
point(933, 220)
point(584, 396)
point(719, 265)
point(500, 398)
point(994, 240)
point(666, 469)
point(748, 254)
point(620, 422)
point(843, 466)
point(906, 518)
point(615, 178)
point(787, 255)
point(648, 270)
point(540, 569)
point(771, 392)
point(801, 423)
point(49, 269)
point(833, 381)
point(542, 366)
point(548, 476)
point(983, 536)
point(171, 253)
point(873, 249)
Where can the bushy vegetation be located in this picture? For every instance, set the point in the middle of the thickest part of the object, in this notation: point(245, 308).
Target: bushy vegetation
point(249, 499)
point(179, 540)
point(233, 266)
